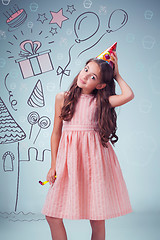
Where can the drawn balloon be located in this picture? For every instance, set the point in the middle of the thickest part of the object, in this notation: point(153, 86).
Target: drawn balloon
point(117, 20)
point(85, 26)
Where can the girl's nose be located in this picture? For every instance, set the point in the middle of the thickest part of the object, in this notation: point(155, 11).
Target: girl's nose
point(85, 77)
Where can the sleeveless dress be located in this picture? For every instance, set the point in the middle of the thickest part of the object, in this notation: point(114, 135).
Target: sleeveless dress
point(89, 183)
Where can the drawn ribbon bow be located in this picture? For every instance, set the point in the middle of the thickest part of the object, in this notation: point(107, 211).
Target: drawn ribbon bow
point(60, 70)
point(34, 46)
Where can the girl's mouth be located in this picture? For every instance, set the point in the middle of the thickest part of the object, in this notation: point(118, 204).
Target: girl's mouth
point(82, 81)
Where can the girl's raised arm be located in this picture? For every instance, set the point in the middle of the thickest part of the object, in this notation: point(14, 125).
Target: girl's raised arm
point(127, 93)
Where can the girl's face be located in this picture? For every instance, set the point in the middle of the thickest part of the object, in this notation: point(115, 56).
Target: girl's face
point(89, 78)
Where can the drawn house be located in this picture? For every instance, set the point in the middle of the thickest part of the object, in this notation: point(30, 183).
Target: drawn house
point(18, 161)
point(10, 135)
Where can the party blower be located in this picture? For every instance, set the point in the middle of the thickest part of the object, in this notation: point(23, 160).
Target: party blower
point(106, 55)
point(43, 183)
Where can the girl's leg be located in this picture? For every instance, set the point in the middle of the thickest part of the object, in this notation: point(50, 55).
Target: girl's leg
point(98, 229)
point(58, 231)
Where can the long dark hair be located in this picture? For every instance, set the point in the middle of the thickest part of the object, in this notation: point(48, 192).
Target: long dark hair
point(107, 116)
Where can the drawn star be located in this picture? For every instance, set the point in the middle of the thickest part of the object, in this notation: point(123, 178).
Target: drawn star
point(70, 9)
point(41, 18)
point(58, 17)
point(53, 31)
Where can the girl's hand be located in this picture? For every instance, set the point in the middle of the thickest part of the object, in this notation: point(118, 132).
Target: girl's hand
point(115, 62)
point(51, 175)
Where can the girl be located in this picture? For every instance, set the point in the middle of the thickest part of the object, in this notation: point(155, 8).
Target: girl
point(89, 183)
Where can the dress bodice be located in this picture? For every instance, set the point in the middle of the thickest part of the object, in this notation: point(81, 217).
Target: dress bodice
point(84, 117)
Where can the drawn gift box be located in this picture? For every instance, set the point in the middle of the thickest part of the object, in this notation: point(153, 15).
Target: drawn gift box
point(32, 63)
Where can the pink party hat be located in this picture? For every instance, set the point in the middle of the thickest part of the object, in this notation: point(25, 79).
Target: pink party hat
point(106, 55)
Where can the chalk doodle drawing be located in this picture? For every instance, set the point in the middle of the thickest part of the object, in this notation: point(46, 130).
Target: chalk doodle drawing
point(32, 63)
point(8, 158)
point(6, 2)
point(42, 18)
point(2, 35)
point(35, 150)
point(36, 98)
point(58, 17)
point(103, 10)
point(33, 7)
point(82, 22)
point(112, 27)
point(13, 102)
point(70, 9)
point(16, 18)
point(53, 31)
point(86, 20)
point(43, 122)
point(87, 3)
point(11, 132)
point(21, 217)
point(32, 118)
point(25, 53)
point(8, 164)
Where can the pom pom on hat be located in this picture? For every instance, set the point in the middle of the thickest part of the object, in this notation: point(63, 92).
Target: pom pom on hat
point(106, 55)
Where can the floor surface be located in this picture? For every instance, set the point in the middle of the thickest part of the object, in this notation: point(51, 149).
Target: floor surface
point(133, 226)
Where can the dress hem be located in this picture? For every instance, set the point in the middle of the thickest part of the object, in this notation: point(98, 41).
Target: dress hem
point(91, 218)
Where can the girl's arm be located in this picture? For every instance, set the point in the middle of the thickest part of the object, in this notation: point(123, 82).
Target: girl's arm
point(55, 137)
point(57, 128)
point(127, 93)
point(54, 148)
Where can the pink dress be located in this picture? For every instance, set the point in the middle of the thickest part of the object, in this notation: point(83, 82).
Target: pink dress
point(89, 183)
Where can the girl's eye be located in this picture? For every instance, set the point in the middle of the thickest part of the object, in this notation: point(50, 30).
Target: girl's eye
point(93, 77)
point(85, 69)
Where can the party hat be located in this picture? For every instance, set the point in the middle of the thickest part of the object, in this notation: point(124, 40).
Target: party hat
point(106, 55)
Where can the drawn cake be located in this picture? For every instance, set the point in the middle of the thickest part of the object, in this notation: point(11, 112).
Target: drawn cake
point(16, 19)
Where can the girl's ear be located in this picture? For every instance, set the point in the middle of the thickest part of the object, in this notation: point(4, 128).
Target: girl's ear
point(101, 85)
